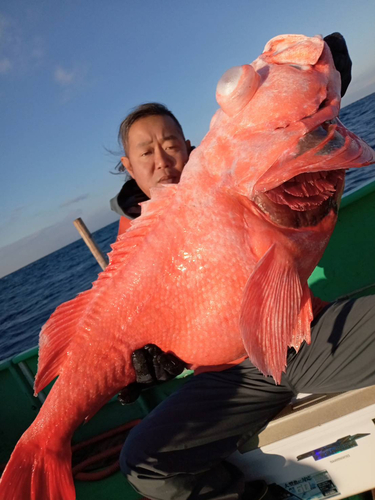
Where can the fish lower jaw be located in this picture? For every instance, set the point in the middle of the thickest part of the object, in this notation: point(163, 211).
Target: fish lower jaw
point(304, 200)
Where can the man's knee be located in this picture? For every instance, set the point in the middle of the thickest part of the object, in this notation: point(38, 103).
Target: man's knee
point(126, 456)
point(138, 455)
point(144, 468)
point(133, 455)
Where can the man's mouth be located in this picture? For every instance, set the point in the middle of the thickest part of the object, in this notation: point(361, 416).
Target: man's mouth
point(303, 200)
point(168, 179)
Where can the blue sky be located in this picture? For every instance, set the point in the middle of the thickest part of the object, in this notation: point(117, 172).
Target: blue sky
point(70, 72)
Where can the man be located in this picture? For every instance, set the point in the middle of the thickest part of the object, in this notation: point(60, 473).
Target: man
point(179, 449)
point(155, 153)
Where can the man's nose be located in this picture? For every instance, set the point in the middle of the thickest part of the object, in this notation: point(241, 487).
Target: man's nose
point(162, 158)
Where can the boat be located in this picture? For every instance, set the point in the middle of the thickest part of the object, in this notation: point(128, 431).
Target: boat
point(346, 270)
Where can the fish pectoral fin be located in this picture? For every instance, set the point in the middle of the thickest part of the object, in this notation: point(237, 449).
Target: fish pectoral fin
point(302, 328)
point(270, 311)
point(55, 338)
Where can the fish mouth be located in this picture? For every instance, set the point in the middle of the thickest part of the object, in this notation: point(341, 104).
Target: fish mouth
point(303, 200)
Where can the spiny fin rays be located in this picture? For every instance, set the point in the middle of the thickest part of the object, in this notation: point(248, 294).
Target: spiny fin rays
point(64, 323)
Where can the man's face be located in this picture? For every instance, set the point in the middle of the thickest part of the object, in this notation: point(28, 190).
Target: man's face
point(156, 152)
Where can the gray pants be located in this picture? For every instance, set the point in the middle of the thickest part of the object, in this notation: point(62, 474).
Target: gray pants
point(177, 452)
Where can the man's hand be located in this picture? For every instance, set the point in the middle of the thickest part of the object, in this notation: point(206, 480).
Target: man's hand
point(151, 365)
point(341, 58)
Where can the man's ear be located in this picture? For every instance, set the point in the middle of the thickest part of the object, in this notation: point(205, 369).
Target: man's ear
point(126, 164)
point(188, 146)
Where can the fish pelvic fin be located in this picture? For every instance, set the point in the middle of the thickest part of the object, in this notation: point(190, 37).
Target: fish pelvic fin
point(35, 472)
point(271, 317)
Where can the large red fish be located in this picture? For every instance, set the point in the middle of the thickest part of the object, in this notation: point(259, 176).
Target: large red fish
point(217, 266)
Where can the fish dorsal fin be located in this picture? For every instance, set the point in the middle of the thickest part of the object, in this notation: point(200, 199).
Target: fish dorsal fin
point(127, 243)
point(55, 337)
point(57, 334)
point(270, 319)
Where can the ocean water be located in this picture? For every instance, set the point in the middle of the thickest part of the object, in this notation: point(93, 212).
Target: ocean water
point(30, 295)
point(359, 117)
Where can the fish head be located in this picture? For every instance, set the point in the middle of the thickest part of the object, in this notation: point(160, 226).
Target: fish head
point(277, 139)
point(288, 82)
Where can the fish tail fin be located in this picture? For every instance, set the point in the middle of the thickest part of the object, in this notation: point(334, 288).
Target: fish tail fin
point(36, 471)
point(271, 312)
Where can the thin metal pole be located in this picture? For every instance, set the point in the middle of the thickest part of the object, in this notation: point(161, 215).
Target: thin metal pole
point(88, 239)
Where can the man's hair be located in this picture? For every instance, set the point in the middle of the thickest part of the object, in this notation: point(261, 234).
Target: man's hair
point(142, 111)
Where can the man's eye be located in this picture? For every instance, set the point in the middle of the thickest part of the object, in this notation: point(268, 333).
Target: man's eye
point(146, 153)
point(171, 147)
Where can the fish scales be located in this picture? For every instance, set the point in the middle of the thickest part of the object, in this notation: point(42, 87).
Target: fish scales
point(216, 267)
point(183, 322)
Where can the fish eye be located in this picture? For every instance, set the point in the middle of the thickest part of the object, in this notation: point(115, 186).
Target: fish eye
point(236, 87)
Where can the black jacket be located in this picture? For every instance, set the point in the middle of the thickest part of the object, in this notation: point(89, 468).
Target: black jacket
point(126, 203)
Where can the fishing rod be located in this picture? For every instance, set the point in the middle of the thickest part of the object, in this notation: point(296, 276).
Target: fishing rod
point(90, 242)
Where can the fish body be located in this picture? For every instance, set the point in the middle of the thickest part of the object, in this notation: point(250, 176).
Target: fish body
point(216, 267)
